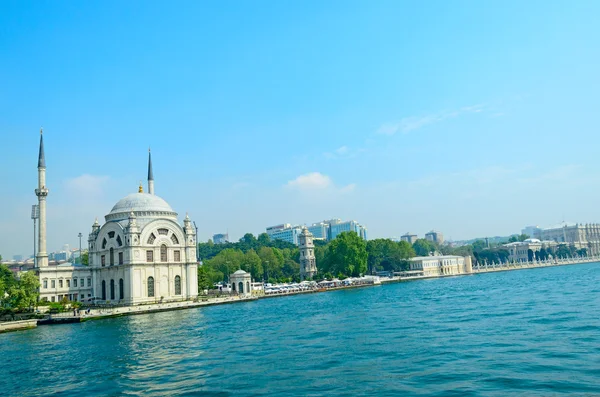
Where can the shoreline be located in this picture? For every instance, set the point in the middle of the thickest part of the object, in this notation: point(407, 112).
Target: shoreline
point(101, 313)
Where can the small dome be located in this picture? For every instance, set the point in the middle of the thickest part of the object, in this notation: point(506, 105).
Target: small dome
point(140, 202)
point(532, 240)
point(240, 272)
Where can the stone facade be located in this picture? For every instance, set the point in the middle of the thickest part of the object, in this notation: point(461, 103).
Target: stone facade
point(241, 282)
point(441, 265)
point(140, 255)
point(308, 264)
point(579, 235)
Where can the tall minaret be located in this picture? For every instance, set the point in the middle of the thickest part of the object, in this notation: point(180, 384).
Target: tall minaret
point(150, 176)
point(41, 192)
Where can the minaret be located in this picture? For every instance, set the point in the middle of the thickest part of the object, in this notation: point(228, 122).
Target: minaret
point(41, 192)
point(150, 176)
point(308, 266)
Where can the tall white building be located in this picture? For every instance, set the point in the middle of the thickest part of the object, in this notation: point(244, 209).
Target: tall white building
point(285, 232)
point(142, 254)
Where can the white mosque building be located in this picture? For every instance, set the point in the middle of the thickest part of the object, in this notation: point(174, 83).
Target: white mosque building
point(141, 254)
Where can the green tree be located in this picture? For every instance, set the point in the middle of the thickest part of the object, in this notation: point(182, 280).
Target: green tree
point(85, 258)
point(204, 281)
point(385, 254)
point(347, 255)
point(423, 247)
point(263, 239)
point(227, 261)
point(253, 265)
point(523, 237)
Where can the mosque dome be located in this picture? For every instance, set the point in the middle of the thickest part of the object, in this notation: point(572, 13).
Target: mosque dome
point(142, 205)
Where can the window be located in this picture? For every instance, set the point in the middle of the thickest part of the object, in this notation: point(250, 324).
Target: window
point(150, 287)
point(112, 289)
point(163, 253)
point(177, 285)
point(103, 260)
point(149, 256)
point(53, 299)
point(163, 232)
point(151, 238)
point(112, 256)
point(53, 283)
point(68, 283)
point(89, 282)
point(45, 284)
point(104, 244)
point(177, 256)
point(121, 289)
point(174, 239)
point(82, 283)
point(120, 258)
point(74, 282)
point(111, 234)
point(60, 283)
point(103, 290)
point(119, 241)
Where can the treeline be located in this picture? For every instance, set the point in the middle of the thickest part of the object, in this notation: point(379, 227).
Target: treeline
point(277, 261)
point(18, 294)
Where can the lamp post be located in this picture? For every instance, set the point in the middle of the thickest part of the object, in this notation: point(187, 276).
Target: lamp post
point(80, 253)
point(35, 214)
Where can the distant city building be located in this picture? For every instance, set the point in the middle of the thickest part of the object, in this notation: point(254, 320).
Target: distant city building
point(532, 231)
point(319, 230)
point(409, 238)
point(221, 238)
point(336, 226)
point(284, 232)
point(525, 251)
point(326, 230)
point(308, 265)
point(577, 234)
point(435, 237)
point(433, 266)
point(61, 256)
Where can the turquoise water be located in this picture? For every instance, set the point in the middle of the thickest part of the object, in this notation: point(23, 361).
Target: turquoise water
point(531, 332)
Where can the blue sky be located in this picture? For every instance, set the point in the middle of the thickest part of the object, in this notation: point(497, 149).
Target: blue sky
point(474, 118)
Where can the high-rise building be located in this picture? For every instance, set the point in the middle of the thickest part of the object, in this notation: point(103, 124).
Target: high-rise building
point(284, 232)
point(435, 237)
point(532, 231)
point(221, 238)
point(326, 230)
point(409, 238)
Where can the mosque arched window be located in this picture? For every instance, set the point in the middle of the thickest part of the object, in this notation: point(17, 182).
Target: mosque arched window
point(112, 256)
point(177, 285)
point(112, 289)
point(174, 239)
point(119, 241)
point(150, 287)
point(121, 289)
point(103, 290)
point(163, 253)
point(163, 232)
point(151, 238)
point(104, 244)
point(111, 234)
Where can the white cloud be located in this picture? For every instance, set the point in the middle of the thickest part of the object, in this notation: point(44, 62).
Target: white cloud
point(310, 181)
point(412, 123)
point(342, 150)
point(86, 185)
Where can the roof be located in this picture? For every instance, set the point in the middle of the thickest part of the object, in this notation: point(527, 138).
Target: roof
point(41, 157)
point(141, 202)
point(419, 258)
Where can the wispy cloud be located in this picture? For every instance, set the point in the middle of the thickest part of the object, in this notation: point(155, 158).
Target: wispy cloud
point(310, 181)
point(317, 182)
point(412, 123)
point(343, 152)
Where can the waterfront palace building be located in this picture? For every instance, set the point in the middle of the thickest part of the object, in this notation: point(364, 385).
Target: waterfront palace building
point(141, 254)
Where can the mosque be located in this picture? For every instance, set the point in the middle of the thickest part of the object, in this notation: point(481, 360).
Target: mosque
point(141, 254)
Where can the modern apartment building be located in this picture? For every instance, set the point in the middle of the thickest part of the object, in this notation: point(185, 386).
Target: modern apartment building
point(435, 237)
point(326, 230)
point(409, 238)
point(221, 238)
